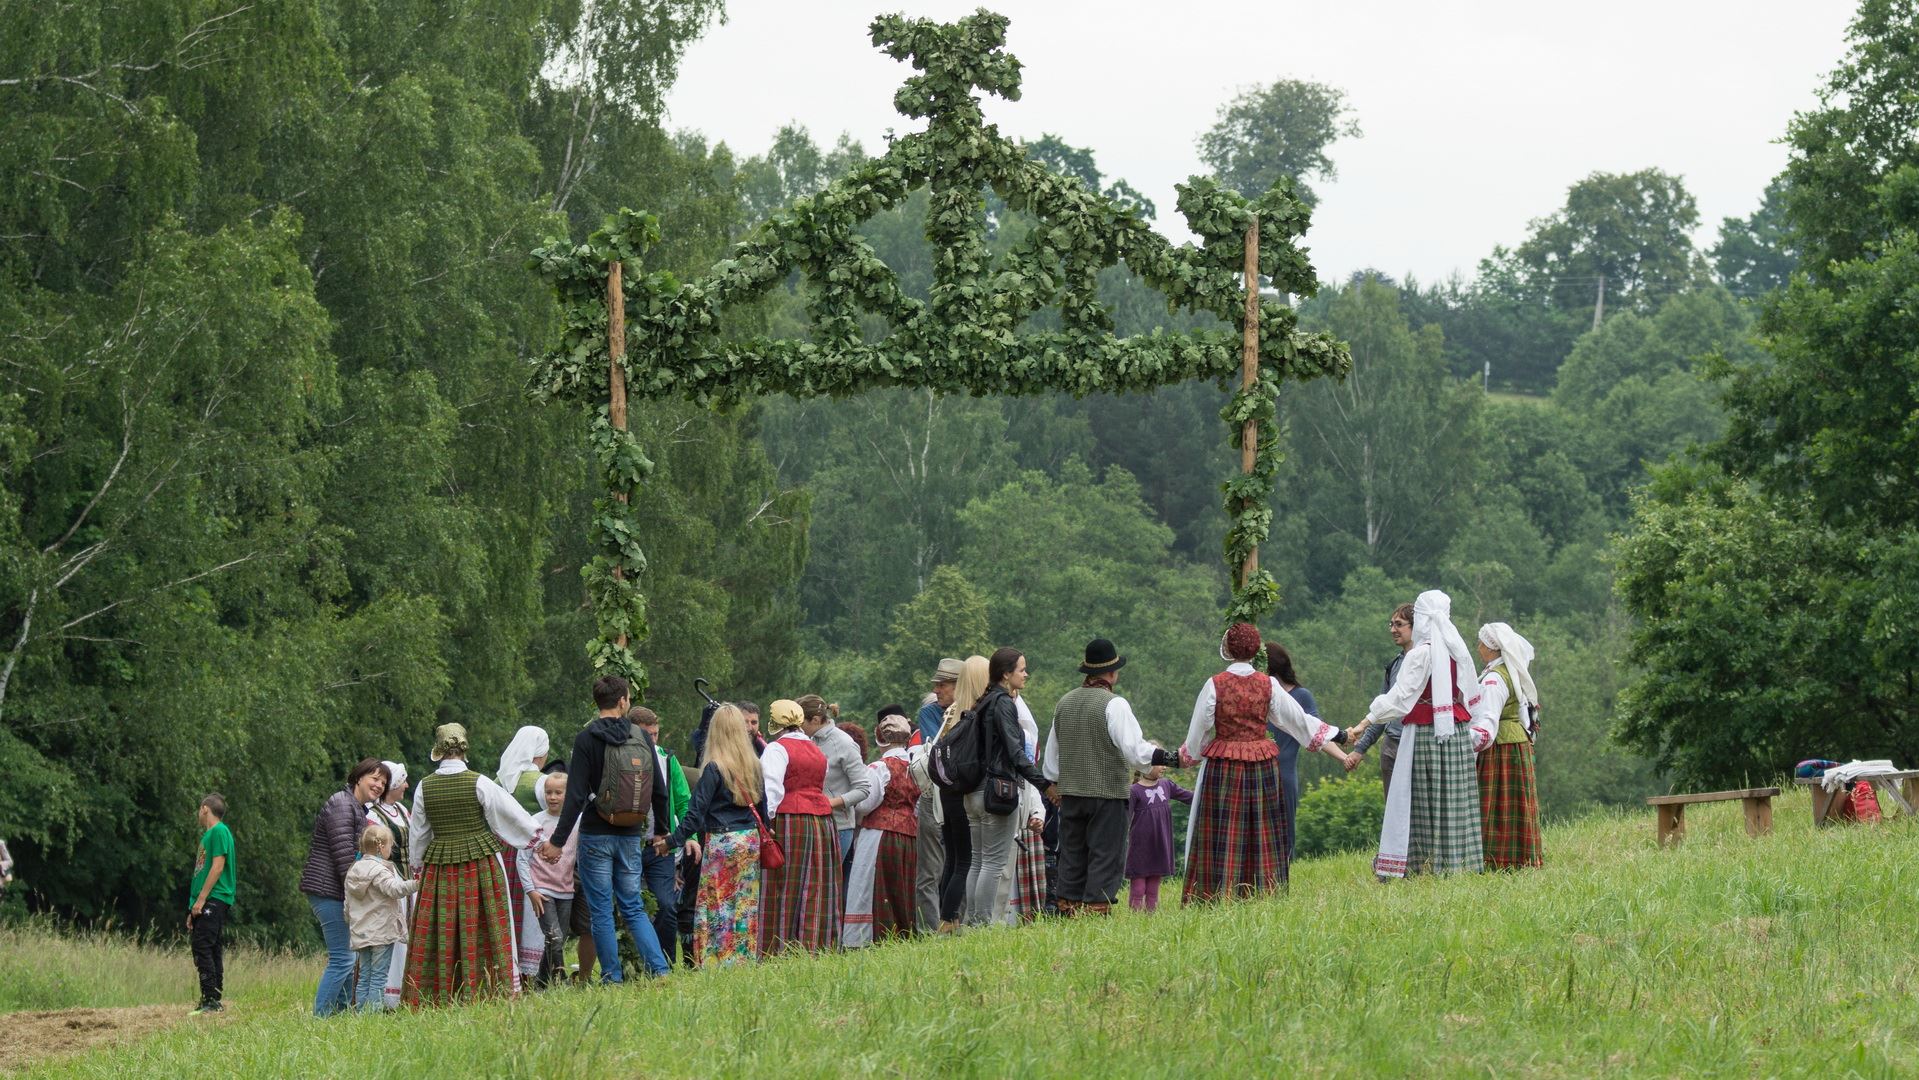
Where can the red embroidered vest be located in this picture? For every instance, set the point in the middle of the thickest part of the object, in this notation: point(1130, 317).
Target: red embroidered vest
point(1239, 718)
point(1422, 713)
point(897, 811)
point(805, 779)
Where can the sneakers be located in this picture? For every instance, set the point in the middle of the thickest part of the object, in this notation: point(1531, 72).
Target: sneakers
point(206, 1007)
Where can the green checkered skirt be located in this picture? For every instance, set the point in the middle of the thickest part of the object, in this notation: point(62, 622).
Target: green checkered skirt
point(1444, 836)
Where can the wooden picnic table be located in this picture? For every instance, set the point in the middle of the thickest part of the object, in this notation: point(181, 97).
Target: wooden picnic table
point(1672, 810)
point(1902, 786)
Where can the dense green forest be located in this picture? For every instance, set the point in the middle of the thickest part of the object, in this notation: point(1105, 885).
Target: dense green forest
point(274, 496)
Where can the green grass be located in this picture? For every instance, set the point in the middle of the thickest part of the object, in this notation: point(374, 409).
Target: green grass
point(41, 970)
point(1787, 955)
point(1515, 397)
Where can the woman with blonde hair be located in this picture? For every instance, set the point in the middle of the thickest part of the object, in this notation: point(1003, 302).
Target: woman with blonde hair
point(956, 832)
point(802, 896)
point(727, 807)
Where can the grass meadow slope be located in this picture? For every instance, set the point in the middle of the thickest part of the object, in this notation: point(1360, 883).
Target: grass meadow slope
point(1787, 955)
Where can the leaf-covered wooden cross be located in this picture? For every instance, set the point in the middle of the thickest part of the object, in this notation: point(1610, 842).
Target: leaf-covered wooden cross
point(971, 334)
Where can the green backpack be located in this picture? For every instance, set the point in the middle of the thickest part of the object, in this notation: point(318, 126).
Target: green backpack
point(626, 781)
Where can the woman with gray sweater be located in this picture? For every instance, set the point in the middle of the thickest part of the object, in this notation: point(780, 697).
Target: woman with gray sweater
point(335, 844)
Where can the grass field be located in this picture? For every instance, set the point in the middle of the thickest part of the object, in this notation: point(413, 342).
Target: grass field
point(1783, 956)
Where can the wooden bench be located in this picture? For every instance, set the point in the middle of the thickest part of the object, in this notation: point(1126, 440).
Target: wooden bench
point(1672, 811)
point(1903, 787)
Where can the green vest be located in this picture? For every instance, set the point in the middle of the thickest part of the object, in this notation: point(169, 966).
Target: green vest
point(1090, 766)
point(1510, 729)
point(460, 831)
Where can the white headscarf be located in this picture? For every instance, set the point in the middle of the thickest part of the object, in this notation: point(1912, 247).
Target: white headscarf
point(398, 771)
point(1434, 631)
point(1516, 653)
point(528, 743)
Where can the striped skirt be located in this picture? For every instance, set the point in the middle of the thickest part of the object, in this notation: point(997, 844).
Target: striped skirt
point(1237, 838)
point(461, 946)
point(1029, 876)
point(802, 907)
point(1444, 829)
point(726, 927)
point(1509, 807)
point(880, 894)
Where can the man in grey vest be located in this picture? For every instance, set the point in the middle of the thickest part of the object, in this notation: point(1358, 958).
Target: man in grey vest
point(1091, 753)
point(1401, 627)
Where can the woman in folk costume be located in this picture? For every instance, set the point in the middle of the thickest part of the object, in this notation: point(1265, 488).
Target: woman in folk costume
point(462, 940)
point(725, 814)
point(802, 898)
point(1236, 840)
point(1432, 808)
point(880, 892)
point(392, 812)
point(520, 765)
point(1508, 790)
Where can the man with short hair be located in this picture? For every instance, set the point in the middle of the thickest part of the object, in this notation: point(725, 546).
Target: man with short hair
point(930, 852)
point(212, 902)
point(609, 857)
point(1401, 627)
point(659, 870)
point(1091, 753)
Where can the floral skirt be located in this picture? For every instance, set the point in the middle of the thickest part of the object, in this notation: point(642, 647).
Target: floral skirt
point(461, 945)
point(726, 926)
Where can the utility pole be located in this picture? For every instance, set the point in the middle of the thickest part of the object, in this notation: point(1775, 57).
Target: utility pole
point(1486, 383)
point(616, 371)
point(1599, 304)
point(1249, 374)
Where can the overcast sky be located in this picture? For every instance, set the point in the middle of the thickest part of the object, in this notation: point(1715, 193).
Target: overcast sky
point(1477, 114)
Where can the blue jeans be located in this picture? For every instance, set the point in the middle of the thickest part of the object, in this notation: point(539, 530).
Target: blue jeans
point(337, 979)
point(610, 873)
point(369, 994)
point(657, 870)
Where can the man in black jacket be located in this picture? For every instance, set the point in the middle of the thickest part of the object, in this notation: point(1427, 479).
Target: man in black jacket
point(609, 854)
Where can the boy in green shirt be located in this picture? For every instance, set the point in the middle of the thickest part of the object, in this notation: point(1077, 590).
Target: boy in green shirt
point(212, 900)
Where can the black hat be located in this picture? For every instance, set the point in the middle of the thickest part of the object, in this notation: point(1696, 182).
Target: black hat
point(1101, 657)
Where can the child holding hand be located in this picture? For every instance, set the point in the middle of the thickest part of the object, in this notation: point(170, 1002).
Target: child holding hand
point(375, 913)
point(549, 885)
point(1149, 853)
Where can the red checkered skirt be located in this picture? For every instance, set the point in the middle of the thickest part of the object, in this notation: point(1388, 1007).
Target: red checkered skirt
point(1238, 842)
point(801, 905)
point(1509, 807)
point(1029, 875)
point(461, 946)
point(894, 897)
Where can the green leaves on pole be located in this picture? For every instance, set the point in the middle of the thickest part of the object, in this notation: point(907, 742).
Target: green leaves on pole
point(970, 335)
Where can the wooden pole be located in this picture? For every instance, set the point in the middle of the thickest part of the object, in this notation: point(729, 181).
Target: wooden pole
point(616, 372)
point(1249, 375)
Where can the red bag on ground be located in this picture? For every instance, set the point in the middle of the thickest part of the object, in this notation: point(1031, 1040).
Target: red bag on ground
point(1865, 801)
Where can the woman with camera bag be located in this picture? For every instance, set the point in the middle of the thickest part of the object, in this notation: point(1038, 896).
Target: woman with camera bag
point(991, 811)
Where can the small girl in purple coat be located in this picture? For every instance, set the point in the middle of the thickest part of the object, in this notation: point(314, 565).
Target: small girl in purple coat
point(1149, 855)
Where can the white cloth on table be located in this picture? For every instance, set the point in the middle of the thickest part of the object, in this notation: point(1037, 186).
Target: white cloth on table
point(1840, 775)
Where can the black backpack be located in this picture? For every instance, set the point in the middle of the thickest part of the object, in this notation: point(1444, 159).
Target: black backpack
point(958, 760)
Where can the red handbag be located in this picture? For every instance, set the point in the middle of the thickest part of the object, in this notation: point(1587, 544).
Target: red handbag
point(772, 856)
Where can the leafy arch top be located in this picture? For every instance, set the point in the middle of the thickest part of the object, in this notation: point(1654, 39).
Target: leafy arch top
point(969, 333)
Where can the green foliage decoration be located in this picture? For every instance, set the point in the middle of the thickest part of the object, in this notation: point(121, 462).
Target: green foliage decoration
point(970, 335)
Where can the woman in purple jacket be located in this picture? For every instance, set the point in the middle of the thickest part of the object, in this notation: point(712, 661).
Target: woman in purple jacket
point(336, 837)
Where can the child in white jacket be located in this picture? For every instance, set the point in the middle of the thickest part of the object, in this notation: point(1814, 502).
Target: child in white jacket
point(375, 913)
